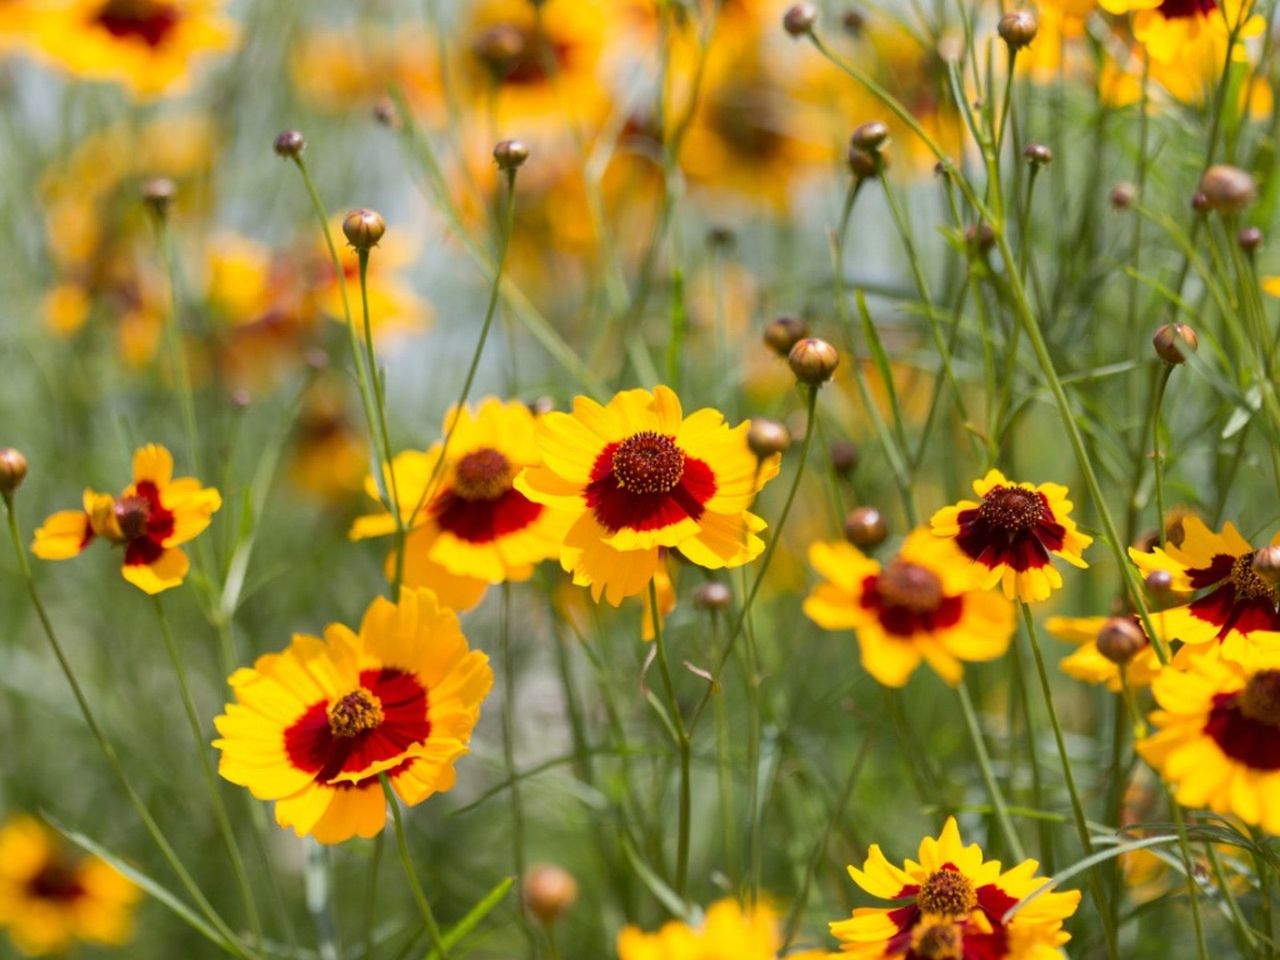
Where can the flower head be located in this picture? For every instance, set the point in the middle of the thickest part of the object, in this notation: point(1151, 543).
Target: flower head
point(922, 605)
point(953, 907)
point(49, 901)
point(313, 727)
point(1010, 535)
point(152, 517)
point(1087, 663)
point(728, 930)
point(638, 476)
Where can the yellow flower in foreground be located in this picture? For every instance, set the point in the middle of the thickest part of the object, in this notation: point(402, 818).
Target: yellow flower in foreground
point(313, 727)
point(951, 904)
point(48, 902)
point(151, 519)
point(924, 605)
point(638, 476)
point(728, 930)
point(1010, 536)
point(1217, 736)
point(1089, 665)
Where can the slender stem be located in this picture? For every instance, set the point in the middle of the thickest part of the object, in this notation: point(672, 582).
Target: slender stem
point(1157, 461)
point(988, 775)
point(682, 744)
point(173, 343)
point(371, 895)
point(411, 874)
point(509, 750)
point(1243, 931)
point(1189, 867)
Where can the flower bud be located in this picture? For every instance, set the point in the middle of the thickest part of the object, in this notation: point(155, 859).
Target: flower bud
point(316, 358)
point(158, 193)
point(721, 238)
point(1017, 28)
point(813, 361)
point(767, 437)
point(1266, 564)
point(1200, 203)
point(549, 892)
point(844, 457)
point(241, 399)
point(542, 405)
point(289, 144)
point(853, 22)
point(1250, 239)
point(498, 48)
point(799, 19)
point(364, 228)
point(510, 154)
point(1038, 155)
point(13, 470)
point(1227, 189)
point(980, 237)
point(712, 596)
point(1122, 195)
point(870, 136)
point(784, 333)
point(1120, 640)
point(1159, 583)
point(864, 164)
point(865, 528)
point(1170, 340)
point(384, 111)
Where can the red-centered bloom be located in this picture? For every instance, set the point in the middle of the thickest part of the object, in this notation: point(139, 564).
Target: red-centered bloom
point(155, 514)
point(315, 726)
point(1011, 535)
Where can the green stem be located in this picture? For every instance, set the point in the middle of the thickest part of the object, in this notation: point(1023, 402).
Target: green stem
point(1189, 867)
point(411, 874)
point(683, 745)
point(371, 895)
point(1011, 837)
point(509, 750)
point(1157, 461)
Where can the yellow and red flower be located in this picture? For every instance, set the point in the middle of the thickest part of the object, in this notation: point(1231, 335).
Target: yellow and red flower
point(728, 930)
point(639, 477)
point(1217, 738)
point(151, 519)
point(1010, 536)
point(1187, 31)
point(1238, 603)
point(924, 605)
point(1089, 665)
point(952, 904)
point(315, 727)
point(49, 901)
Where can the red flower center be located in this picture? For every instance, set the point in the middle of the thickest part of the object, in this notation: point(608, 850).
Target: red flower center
point(133, 514)
point(520, 56)
point(1260, 699)
point(1011, 526)
point(647, 463)
point(145, 20)
point(1012, 508)
point(357, 712)
point(937, 940)
point(910, 587)
point(1250, 586)
point(1176, 9)
point(947, 893)
point(57, 882)
point(1246, 725)
point(483, 474)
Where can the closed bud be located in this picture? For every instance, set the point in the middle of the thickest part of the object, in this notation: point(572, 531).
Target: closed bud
point(13, 470)
point(980, 237)
point(864, 164)
point(289, 144)
point(549, 892)
point(1159, 583)
point(364, 228)
point(1017, 28)
point(1250, 239)
point(844, 457)
point(384, 111)
point(1122, 195)
point(1227, 189)
point(870, 136)
point(1266, 564)
point(721, 238)
point(767, 437)
point(799, 19)
point(865, 528)
point(712, 596)
point(1121, 639)
point(241, 399)
point(1200, 203)
point(498, 48)
point(158, 193)
point(813, 361)
point(1172, 340)
point(784, 333)
point(1038, 155)
point(853, 22)
point(541, 406)
point(510, 154)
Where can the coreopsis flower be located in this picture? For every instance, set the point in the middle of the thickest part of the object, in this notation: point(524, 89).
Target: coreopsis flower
point(148, 46)
point(1088, 664)
point(728, 930)
point(1189, 31)
point(923, 605)
point(951, 904)
point(475, 529)
point(1011, 534)
point(151, 519)
point(402, 57)
point(50, 901)
point(1236, 602)
point(1217, 734)
point(638, 476)
point(314, 728)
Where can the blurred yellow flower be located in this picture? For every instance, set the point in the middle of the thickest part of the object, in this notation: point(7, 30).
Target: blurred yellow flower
point(728, 930)
point(1089, 665)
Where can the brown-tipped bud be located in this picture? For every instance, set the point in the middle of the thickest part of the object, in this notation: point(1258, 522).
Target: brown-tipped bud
point(853, 22)
point(1017, 28)
point(844, 457)
point(1200, 203)
point(510, 154)
point(315, 358)
point(1172, 340)
point(1250, 239)
point(1266, 564)
point(158, 193)
point(712, 596)
point(767, 437)
point(13, 470)
point(799, 19)
point(364, 228)
point(721, 238)
point(289, 144)
point(980, 237)
point(870, 136)
point(541, 406)
point(498, 48)
point(813, 361)
point(241, 399)
point(385, 112)
point(1120, 640)
point(1038, 155)
point(943, 168)
point(549, 892)
point(865, 528)
point(864, 164)
point(1122, 195)
point(1227, 189)
point(784, 333)
point(1159, 583)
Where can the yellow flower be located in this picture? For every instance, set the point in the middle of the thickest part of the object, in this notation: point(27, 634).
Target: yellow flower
point(952, 903)
point(151, 519)
point(324, 71)
point(1187, 32)
point(1217, 738)
point(1010, 536)
point(313, 727)
point(476, 528)
point(638, 476)
point(729, 930)
point(328, 457)
point(1089, 665)
point(48, 901)
point(923, 606)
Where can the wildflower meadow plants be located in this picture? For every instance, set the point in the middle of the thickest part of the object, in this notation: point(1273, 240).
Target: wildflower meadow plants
point(654, 479)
